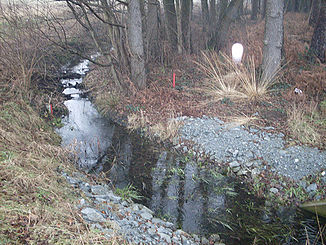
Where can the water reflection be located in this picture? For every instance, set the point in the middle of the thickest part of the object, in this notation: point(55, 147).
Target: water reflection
point(175, 188)
point(85, 131)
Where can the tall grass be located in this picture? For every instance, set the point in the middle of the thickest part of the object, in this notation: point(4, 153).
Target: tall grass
point(225, 79)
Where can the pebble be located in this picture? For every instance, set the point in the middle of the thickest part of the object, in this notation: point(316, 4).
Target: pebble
point(274, 190)
point(312, 187)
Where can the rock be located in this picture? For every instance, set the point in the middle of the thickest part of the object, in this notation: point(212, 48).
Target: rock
point(312, 188)
point(92, 215)
point(146, 209)
point(214, 238)
point(249, 164)
point(100, 190)
point(236, 169)
point(242, 172)
point(323, 180)
point(234, 164)
point(146, 215)
point(273, 190)
point(204, 241)
point(73, 181)
point(165, 237)
point(81, 203)
point(255, 172)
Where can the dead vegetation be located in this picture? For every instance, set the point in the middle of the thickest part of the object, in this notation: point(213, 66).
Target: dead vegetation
point(210, 84)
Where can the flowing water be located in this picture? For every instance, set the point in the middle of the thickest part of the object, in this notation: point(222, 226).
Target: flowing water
point(180, 188)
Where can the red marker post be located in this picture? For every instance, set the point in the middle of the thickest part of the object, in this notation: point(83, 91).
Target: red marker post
point(51, 109)
point(173, 83)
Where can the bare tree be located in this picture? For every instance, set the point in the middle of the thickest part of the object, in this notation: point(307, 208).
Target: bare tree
point(318, 41)
point(205, 14)
point(254, 9)
point(185, 23)
point(171, 22)
point(314, 12)
point(135, 38)
point(152, 33)
point(273, 38)
point(221, 33)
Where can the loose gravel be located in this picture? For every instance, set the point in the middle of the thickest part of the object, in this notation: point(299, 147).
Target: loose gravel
point(247, 148)
point(135, 223)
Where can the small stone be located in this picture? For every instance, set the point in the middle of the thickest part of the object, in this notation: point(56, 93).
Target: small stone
point(73, 181)
point(92, 215)
point(234, 164)
point(99, 190)
point(274, 190)
point(236, 169)
point(296, 160)
point(283, 152)
point(165, 237)
point(269, 128)
point(312, 188)
point(204, 241)
point(235, 153)
point(146, 215)
point(96, 226)
point(255, 172)
point(82, 203)
point(242, 172)
point(215, 238)
point(249, 164)
point(302, 183)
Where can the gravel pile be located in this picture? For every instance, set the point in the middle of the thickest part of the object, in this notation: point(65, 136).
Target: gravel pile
point(113, 216)
point(245, 149)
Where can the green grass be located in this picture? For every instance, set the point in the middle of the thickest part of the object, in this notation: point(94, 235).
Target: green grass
point(128, 193)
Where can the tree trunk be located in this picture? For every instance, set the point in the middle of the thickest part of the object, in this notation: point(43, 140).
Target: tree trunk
point(185, 23)
point(152, 35)
point(135, 38)
point(221, 34)
point(240, 10)
point(264, 2)
point(204, 13)
point(254, 9)
point(273, 39)
point(212, 17)
point(318, 41)
point(171, 22)
point(314, 14)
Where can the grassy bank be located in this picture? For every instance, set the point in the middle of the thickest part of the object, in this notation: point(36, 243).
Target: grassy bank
point(37, 206)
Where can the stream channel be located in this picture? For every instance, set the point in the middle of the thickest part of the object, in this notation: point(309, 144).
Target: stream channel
point(192, 194)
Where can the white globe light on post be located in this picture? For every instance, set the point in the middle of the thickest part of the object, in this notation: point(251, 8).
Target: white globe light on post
point(237, 52)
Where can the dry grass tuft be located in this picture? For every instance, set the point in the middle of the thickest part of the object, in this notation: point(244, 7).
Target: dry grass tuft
point(225, 79)
point(304, 122)
point(137, 121)
point(237, 121)
point(166, 130)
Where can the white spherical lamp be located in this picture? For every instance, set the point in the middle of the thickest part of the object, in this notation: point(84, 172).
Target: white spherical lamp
point(237, 52)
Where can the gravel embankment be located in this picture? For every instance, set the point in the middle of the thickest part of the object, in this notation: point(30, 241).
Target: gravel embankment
point(113, 216)
point(245, 149)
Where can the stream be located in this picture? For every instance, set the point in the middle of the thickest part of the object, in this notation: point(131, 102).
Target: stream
point(189, 192)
